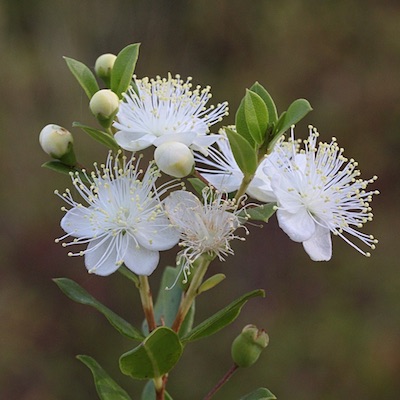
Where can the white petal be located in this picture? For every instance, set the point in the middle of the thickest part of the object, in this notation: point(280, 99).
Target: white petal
point(298, 226)
point(134, 141)
point(227, 182)
point(140, 260)
point(180, 207)
point(181, 137)
point(76, 222)
point(319, 246)
point(202, 142)
point(101, 259)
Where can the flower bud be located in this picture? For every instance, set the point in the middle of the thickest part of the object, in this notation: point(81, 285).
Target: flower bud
point(104, 104)
point(247, 347)
point(104, 65)
point(56, 140)
point(174, 158)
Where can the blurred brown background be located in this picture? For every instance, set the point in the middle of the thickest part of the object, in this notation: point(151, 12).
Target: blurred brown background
point(334, 327)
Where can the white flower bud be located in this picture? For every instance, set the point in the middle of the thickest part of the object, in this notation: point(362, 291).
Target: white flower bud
point(174, 158)
point(55, 140)
point(104, 104)
point(104, 65)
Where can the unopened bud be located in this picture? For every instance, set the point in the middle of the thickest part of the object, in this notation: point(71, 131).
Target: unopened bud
point(56, 141)
point(104, 104)
point(174, 158)
point(247, 347)
point(104, 65)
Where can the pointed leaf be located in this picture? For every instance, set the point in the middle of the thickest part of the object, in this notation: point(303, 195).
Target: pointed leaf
point(211, 282)
point(80, 295)
point(154, 357)
point(83, 75)
point(260, 213)
point(252, 118)
point(198, 184)
point(149, 392)
point(259, 394)
point(102, 137)
point(262, 92)
point(124, 66)
point(106, 387)
point(245, 155)
point(221, 319)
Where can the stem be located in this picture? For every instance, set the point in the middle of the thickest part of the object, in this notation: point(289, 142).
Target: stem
point(147, 302)
point(191, 293)
point(243, 186)
point(222, 381)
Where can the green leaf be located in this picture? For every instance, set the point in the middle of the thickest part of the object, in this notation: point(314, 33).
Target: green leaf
point(154, 357)
point(58, 166)
point(83, 75)
point(259, 394)
point(198, 184)
point(210, 283)
point(261, 91)
point(102, 137)
point(80, 295)
point(252, 118)
point(106, 387)
point(124, 66)
point(245, 155)
point(221, 319)
point(149, 392)
point(260, 213)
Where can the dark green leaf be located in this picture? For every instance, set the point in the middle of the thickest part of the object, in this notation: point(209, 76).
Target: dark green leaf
point(84, 76)
point(245, 155)
point(80, 295)
point(261, 91)
point(106, 387)
point(259, 394)
point(221, 319)
point(124, 66)
point(102, 137)
point(149, 392)
point(260, 213)
point(154, 357)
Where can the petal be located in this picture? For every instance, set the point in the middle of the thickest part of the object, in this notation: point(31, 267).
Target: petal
point(227, 182)
point(77, 223)
point(101, 257)
point(134, 141)
point(319, 246)
point(181, 137)
point(181, 206)
point(298, 226)
point(202, 142)
point(139, 260)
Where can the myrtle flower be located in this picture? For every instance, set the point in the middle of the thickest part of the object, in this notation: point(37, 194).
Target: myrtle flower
point(318, 192)
point(166, 110)
point(123, 220)
point(206, 226)
point(221, 171)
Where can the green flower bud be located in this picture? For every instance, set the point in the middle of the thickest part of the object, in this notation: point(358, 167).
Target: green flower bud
point(247, 347)
point(104, 104)
point(56, 141)
point(104, 65)
point(174, 158)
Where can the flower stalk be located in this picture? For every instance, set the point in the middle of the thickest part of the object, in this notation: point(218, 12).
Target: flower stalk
point(147, 302)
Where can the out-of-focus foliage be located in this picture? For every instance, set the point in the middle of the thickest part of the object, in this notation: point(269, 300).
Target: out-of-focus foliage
point(334, 327)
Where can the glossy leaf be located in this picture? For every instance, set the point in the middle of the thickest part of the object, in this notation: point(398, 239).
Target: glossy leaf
point(102, 137)
point(154, 357)
point(221, 319)
point(259, 394)
point(260, 213)
point(83, 75)
point(269, 102)
point(252, 118)
point(149, 392)
point(245, 155)
point(106, 387)
point(124, 66)
point(80, 295)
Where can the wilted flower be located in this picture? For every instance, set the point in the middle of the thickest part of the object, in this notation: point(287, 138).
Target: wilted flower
point(206, 227)
point(123, 221)
point(166, 110)
point(318, 192)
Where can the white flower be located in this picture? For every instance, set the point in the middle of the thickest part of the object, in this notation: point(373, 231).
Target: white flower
point(166, 110)
point(318, 192)
point(123, 221)
point(225, 174)
point(206, 227)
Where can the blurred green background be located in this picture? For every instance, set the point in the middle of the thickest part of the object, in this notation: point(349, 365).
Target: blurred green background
point(334, 327)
